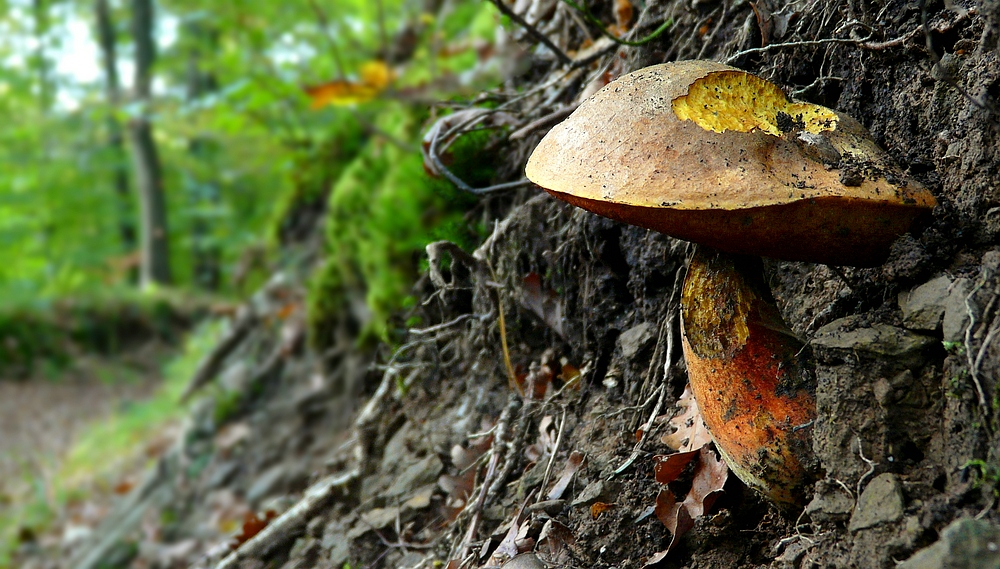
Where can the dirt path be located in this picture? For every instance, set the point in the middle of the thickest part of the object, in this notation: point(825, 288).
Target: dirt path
point(41, 417)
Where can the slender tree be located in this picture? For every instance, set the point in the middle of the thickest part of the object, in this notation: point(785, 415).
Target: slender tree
point(107, 39)
point(145, 158)
point(40, 12)
point(202, 38)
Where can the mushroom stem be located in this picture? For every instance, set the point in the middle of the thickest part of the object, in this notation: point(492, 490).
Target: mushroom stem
point(748, 374)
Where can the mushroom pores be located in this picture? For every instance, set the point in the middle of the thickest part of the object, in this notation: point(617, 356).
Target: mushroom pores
point(711, 154)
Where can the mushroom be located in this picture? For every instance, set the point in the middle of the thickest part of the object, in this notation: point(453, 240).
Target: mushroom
point(714, 155)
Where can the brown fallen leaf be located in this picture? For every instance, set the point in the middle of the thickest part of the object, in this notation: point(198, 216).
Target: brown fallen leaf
point(555, 537)
point(459, 487)
point(570, 377)
point(573, 464)
point(668, 467)
point(544, 302)
point(690, 432)
point(675, 516)
point(546, 442)
point(710, 476)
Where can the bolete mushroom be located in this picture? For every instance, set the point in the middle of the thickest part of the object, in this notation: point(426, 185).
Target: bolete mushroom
point(708, 153)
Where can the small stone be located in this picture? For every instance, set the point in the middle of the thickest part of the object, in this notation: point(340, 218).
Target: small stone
point(376, 518)
point(832, 503)
point(923, 306)
point(410, 560)
point(880, 503)
point(335, 537)
point(420, 499)
point(956, 314)
point(965, 544)
point(416, 475)
point(339, 552)
point(636, 338)
point(880, 339)
point(883, 391)
point(591, 493)
point(267, 483)
point(315, 526)
point(304, 547)
point(524, 561)
point(223, 474)
point(792, 555)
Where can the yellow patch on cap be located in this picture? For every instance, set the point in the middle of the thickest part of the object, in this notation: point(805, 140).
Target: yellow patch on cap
point(739, 101)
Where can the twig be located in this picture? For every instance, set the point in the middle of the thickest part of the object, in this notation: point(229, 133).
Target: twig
point(287, 525)
point(552, 457)
point(501, 430)
point(533, 32)
point(869, 462)
point(862, 44)
point(382, 35)
point(600, 26)
point(647, 427)
point(459, 183)
point(209, 367)
point(443, 326)
point(511, 376)
point(973, 367)
point(553, 117)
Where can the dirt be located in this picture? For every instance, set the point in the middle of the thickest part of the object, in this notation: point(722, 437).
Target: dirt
point(907, 431)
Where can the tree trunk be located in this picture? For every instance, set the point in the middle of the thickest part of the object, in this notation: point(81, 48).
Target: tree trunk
point(116, 144)
point(40, 13)
point(145, 158)
point(201, 186)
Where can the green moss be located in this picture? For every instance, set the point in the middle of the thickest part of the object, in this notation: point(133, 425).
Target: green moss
point(383, 210)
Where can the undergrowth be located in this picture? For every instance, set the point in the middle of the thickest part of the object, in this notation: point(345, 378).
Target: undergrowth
point(49, 332)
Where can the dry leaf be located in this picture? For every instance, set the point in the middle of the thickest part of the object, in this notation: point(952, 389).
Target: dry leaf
point(374, 77)
point(252, 525)
point(508, 547)
point(546, 443)
point(690, 432)
point(623, 14)
point(554, 538)
point(668, 467)
point(573, 464)
point(570, 377)
point(710, 476)
point(539, 378)
point(598, 508)
point(544, 302)
point(460, 486)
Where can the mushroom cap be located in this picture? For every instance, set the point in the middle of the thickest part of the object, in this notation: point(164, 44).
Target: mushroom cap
point(715, 155)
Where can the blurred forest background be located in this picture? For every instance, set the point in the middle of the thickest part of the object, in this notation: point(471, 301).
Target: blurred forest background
point(165, 146)
point(160, 161)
